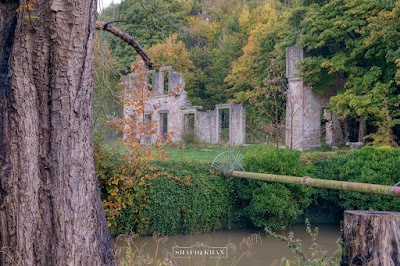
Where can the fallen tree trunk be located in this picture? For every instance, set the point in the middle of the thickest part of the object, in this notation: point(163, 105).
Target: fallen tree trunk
point(371, 238)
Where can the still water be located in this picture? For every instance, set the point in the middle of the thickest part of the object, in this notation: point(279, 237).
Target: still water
point(254, 251)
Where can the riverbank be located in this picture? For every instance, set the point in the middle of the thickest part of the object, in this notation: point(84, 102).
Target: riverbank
point(242, 247)
point(184, 196)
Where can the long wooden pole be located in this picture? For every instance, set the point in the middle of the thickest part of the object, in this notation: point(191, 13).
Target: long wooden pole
point(321, 183)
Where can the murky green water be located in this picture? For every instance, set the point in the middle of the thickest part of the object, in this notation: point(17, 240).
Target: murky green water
point(198, 250)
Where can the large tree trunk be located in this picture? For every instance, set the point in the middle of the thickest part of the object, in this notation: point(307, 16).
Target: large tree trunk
point(371, 238)
point(50, 207)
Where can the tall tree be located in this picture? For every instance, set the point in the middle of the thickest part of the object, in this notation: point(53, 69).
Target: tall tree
point(356, 42)
point(50, 208)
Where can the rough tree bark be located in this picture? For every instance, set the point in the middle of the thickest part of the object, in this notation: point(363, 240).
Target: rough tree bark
point(50, 207)
point(371, 238)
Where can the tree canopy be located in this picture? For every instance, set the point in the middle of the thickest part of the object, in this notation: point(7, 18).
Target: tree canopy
point(351, 45)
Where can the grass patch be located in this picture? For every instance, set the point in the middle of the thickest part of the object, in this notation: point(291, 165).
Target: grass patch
point(207, 153)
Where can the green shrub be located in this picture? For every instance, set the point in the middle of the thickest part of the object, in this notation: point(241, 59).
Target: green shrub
point(367, 165)
point(168, 198)
point(270, 205)
point(183, 197)
point(199, 204)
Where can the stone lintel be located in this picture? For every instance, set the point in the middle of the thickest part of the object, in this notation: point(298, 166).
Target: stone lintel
point(165, 68)
point(223, 105)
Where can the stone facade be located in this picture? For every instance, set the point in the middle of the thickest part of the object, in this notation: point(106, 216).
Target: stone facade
point(173, 112)
point(305, 110)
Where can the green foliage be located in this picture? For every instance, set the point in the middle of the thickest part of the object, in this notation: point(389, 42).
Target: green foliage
point(150, 22)
point(107, 91)
point(352, 49)
point(314, 256)
point(215, 40)
point(263, 204)
point(183, 197)
point(169, 198)
point(202, 203)
point(262, 26)
point(348, 45)
point(265, 159)
point(368, 165)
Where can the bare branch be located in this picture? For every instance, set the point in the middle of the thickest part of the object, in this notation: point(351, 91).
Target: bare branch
point(127, 38)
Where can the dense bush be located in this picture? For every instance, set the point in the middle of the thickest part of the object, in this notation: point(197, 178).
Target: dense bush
point(201, 201)
point(183, 197)
point(264, 204)
point(167, 198)
point(368, 165)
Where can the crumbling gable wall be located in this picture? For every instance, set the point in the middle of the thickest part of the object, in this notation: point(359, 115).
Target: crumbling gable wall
point(168, 101)
point(172, 111)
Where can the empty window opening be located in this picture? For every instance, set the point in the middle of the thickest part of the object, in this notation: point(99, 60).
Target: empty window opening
point(224, 125)
point(164, 124)
point(165, 81)
point(150, 81)
point(188, 123)
point(325, 119)
point(147, 118)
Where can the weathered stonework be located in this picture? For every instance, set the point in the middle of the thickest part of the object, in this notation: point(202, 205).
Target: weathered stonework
point(334, 132)
point(173, 103)
point(304, 109)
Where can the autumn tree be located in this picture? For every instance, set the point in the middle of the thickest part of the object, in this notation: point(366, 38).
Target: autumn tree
point(173, 53)
point(152, 21)
point(356, 41)
point(261, 24)
point(50, 207)
point(142, 145)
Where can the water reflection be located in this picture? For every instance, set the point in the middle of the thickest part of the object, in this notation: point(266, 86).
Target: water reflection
point(255, 251)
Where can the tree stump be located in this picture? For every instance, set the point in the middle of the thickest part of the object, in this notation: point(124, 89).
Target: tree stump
point(371, 238)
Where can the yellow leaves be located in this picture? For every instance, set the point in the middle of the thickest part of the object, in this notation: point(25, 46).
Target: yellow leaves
point(340, 24)
point(327, 64)
point(244, 18)
point(27, 6)
point(261, 23)
point(171, 53)
point(114, 192)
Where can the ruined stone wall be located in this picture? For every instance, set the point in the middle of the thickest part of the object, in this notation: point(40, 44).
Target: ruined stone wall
point(170, 102)
point(237, 123)
point(172, 105)
point(304, 109)
point(206, 125)
point(334, 133)
point(173, 102)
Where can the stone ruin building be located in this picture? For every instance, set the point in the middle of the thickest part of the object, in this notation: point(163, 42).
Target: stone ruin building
point(306, 110)
point(175, 114)
point(307, 119)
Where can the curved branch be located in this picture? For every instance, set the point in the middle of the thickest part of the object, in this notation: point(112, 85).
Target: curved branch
point(127, 38)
